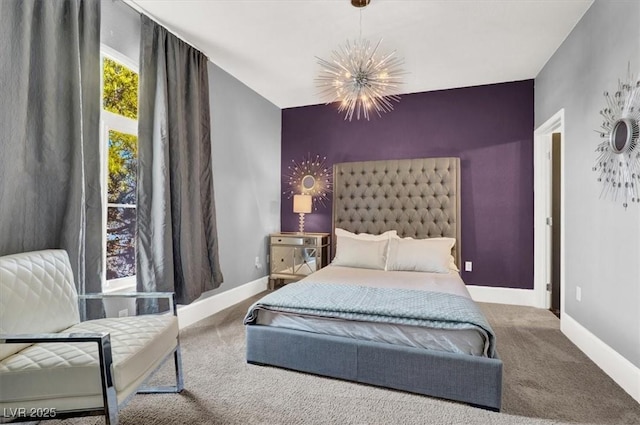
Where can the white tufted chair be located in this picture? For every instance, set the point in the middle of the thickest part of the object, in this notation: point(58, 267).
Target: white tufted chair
point(52, 365)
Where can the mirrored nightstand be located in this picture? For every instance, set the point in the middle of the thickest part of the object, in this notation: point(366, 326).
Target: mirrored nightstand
point(296, 255)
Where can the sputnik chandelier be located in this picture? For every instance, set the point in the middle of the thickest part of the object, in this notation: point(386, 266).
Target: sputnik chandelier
point(359, 77)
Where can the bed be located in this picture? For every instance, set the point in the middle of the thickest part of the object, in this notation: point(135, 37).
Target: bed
point(383, 341)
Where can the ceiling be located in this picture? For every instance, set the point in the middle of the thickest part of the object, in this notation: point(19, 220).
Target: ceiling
point(270, 45)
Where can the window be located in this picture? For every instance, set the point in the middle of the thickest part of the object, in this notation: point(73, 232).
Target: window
point(119, 147)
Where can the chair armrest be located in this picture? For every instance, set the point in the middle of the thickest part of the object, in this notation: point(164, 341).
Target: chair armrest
point(171, 296)
point(103, 339)
point(98, 337)
point(128, 295)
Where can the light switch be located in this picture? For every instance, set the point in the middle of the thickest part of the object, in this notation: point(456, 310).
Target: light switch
point(578, 293)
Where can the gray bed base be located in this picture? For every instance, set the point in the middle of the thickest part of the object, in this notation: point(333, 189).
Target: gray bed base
point(468, 379)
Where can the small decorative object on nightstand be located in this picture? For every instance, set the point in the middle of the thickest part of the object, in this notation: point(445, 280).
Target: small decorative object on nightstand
point(296, 255)
point(302, 206)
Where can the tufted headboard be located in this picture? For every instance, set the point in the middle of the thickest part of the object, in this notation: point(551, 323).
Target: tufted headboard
point(418, 198)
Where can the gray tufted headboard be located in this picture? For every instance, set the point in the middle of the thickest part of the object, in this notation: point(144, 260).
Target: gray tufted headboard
point(419, 198)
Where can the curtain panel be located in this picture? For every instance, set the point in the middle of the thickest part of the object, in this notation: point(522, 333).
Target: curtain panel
point(177, 243)
point(49, 140)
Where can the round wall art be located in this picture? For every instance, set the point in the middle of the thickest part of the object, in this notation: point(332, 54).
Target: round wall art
point(312, 177)
point(618, 163)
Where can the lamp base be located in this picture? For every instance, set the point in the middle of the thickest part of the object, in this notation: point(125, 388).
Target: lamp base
point(301, 226)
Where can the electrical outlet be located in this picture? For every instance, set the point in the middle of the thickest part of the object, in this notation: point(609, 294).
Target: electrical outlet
point(258, 264)
point(578, 293)
point(468, 266)
point(123, 313)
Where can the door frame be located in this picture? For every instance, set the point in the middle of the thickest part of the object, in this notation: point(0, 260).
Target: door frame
point(541, 199)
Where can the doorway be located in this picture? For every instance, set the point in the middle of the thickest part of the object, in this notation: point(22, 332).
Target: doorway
point(556, 200)
point(549, 214)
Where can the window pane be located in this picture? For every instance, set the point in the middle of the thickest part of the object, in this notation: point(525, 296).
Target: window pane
point(123, 160)
point(119, 89)
point(121, 250)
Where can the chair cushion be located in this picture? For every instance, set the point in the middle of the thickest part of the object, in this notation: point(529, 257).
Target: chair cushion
point(37, 295)
point(59, 370)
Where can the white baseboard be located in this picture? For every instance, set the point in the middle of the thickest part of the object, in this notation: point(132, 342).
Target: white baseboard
point(621, 370)
point(198, 310)
point(488, 294)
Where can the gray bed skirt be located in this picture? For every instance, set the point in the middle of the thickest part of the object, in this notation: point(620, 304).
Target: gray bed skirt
point(469, 379)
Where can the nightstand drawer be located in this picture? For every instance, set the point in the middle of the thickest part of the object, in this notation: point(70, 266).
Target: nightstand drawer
point(292, 240)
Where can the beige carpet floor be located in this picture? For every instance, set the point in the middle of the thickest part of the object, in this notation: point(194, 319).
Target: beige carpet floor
point(547, 380)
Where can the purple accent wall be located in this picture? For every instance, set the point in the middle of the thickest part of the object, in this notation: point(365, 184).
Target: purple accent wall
point(490, 128)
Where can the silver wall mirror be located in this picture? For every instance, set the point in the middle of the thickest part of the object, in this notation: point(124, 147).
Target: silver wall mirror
point(311, 177)
point(621, 135)
point(618, 162)
point(308, 182)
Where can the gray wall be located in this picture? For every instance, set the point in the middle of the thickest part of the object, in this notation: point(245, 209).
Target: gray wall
point(245, 135)
point(120, 28)
point(602, 240)
point(246, 156)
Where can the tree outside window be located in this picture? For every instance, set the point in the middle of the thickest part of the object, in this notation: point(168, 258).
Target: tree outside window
point(119, 89)
point(120, 114)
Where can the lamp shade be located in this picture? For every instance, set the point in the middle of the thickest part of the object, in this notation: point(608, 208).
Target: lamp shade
point(302, 204)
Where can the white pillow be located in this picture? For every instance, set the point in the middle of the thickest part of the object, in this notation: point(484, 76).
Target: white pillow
point(452, 261)
point(420, 255)
point(366, 236)
point(363, 254)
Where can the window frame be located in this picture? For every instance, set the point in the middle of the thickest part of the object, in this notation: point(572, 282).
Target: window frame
point(111, 121)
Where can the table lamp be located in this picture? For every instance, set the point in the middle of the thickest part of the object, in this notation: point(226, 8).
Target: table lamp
point(302, 206)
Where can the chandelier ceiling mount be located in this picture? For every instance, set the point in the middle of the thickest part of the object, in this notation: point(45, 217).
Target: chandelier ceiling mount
point(360, 3)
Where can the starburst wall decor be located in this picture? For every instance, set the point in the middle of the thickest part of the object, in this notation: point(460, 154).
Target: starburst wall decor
point(309, 177)
point(618, 163)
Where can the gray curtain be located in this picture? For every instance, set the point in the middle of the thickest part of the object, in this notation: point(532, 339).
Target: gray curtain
point(177, 246)
point(49, 132)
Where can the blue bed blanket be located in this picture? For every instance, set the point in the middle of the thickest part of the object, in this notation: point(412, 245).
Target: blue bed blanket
point(387, 305)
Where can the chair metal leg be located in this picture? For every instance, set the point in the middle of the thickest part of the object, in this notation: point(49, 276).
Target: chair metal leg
point(177, 360)
point(109, 397)
point(111, 408)
point(177, 363)
point(178, 387)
